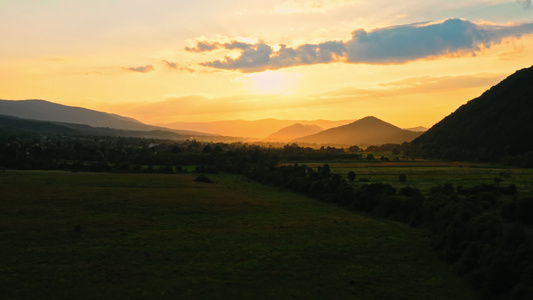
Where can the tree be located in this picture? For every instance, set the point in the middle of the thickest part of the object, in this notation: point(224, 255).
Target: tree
point(325, 171)
point(351, 176)
point(402, 178)
point(354, 149)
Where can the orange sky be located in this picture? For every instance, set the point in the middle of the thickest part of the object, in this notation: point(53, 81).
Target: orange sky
point(409, 63)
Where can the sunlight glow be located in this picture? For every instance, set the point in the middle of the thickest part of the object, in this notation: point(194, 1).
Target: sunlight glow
point(272, 82)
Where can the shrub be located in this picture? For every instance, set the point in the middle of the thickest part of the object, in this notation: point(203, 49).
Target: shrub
point(204, 179)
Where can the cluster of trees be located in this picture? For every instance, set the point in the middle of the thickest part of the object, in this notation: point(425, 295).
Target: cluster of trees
point(482, 231)
point(120, 154)
point(104, 154)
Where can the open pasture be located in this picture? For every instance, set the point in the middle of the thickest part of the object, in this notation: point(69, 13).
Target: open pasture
point(133, 236)
point(426, 174)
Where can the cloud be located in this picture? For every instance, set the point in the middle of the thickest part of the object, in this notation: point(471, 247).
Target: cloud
point(425, 84)
point(413, 85)
point(524, 3)
point(143, 69)
point(205, 46)
point(391, 45)
point(255, 58)
point(202, 46)
point(176, 66)
point(237, 45)
point(170, 65)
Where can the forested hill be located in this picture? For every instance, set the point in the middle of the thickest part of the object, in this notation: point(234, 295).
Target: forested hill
point(14, 125)
point(366, 131)
point(496, 126)
point(41, 110)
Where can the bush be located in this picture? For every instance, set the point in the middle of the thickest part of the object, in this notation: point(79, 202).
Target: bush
point(402, 178)
point(203, 178)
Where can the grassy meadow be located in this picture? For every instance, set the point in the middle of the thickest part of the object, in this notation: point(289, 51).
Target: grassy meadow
point(425, 174)
point(122, 236)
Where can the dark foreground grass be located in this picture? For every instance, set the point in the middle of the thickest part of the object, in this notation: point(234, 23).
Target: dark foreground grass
point(124, 236)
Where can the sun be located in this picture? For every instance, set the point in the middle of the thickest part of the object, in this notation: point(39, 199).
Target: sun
point(271, 82)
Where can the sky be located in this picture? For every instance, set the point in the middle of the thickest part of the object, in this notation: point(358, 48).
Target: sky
point(410, 63)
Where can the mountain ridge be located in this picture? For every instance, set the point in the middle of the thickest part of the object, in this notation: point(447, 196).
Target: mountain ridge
point(12, 123)
point(366, 131)
point(43, 110)
point(249, 129)
point(294, 131)
point(495, 125)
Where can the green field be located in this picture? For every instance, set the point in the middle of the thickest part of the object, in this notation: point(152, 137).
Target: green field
point(122, 236)
point(426, 174)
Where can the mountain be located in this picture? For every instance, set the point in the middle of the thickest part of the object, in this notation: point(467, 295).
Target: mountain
point(14, 124)
point(42, 110)
point(419, 128)
point(367, 131)
point(492, 126)
point(294, 131)
point(254, 129)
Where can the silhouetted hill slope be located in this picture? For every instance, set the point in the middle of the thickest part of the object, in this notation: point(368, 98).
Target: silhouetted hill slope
point(244, 128)
point(14, 124)
point(367, 131)
point(499, 123)
point(294, 131)
point(42, 110)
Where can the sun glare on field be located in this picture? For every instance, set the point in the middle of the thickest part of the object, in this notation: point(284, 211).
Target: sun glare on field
point(271, 82)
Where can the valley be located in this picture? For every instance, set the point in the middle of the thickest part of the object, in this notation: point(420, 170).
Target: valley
point(156, 235)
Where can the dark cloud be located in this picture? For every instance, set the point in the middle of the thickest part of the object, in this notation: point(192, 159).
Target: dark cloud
point(203, 46)
point(144, 69)
point(392, 45)
point(207, 46)
point(524, 3)
point(410, 42)
point(256, 58)
point(237, 45)
point(307, 54)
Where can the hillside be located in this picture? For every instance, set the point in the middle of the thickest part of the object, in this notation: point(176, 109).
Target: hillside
point(497, 124)
point(294, 131)
point(367, 131)
point(14, 124)
point(251, 129)
point(42, 110)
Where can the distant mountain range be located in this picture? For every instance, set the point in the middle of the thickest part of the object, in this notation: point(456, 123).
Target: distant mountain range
point(419, 128)
point(41, 110)
point(47, 117)
point(14, 124)
point(497, 124)
point(250, 129)
point(367, 131)
point(294, 131)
